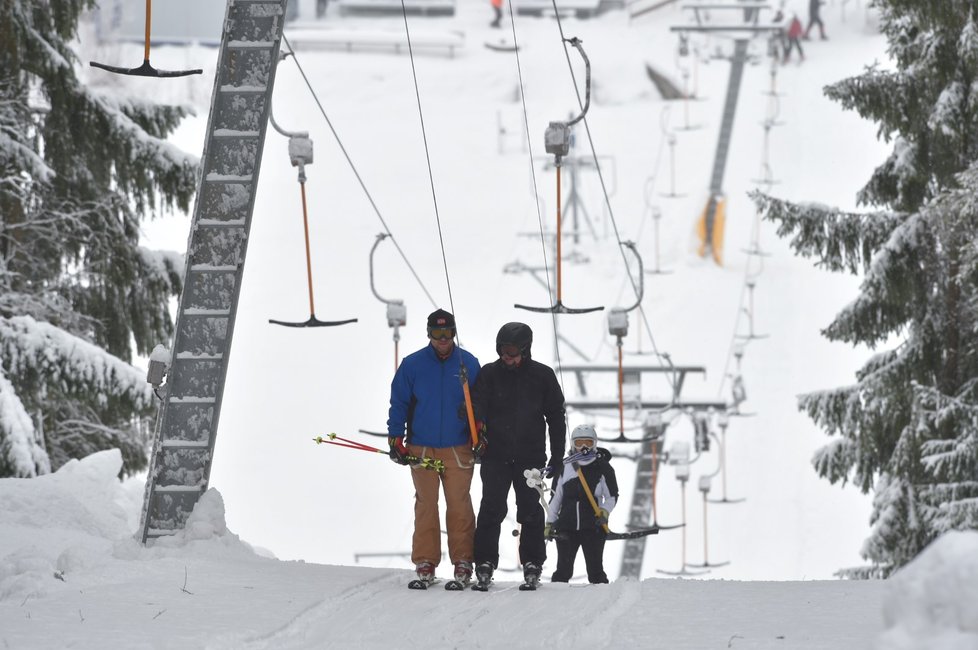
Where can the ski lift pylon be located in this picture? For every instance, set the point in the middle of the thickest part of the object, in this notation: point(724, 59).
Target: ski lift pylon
point(145, 70)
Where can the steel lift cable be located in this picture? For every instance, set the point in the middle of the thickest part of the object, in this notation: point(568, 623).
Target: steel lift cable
point(536, 191)
point(463, 376)
point(356, 172)
point(669, 377)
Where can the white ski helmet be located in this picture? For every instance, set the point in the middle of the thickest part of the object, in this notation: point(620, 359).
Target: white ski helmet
point(584, 431)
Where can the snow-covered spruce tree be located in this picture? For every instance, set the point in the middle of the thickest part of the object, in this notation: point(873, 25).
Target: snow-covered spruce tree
point(79, 170)
point(907, 428)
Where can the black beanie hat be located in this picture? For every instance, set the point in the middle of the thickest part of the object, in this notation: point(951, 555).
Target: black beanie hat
point(440, 318)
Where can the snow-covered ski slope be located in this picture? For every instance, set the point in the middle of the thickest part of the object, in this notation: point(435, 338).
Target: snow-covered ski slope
point(72, 576)
point(286, 386)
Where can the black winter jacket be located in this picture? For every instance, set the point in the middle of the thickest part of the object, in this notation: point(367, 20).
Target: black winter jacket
point(516, 405)
point(570, 508)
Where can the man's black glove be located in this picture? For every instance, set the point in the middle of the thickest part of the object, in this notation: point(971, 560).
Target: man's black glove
point(554, 468)
point(398, 452)
point(480, 447)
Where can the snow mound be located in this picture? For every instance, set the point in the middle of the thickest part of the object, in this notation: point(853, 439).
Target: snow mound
point(59, 522)
point(205, 534)
point(933, 601)
point(83, 496)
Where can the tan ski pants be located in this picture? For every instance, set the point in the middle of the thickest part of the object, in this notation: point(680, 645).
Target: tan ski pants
point(459, 515)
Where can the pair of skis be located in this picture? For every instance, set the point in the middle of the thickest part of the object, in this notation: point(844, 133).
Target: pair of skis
point(530, 583)
point(452, 585)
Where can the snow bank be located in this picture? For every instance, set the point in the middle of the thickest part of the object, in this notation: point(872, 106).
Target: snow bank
point(205, 534)
point(933, 601)
point(60, 522)
point(83, 517)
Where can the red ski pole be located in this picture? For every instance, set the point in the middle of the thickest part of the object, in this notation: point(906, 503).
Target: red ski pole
point(424, 461)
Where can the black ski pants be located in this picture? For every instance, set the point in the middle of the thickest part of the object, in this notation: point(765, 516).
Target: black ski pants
point(592, 541)
point(497, 478)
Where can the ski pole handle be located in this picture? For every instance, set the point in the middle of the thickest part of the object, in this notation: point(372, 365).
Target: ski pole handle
point(428, 463)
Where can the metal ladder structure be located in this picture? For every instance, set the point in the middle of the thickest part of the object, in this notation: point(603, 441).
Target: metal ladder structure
point(742, 35)
point(640, 510)
point(187, 422)
point(737, 62)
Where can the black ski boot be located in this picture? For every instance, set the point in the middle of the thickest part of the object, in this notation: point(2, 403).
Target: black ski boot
point(531, 576)
point(483, 576)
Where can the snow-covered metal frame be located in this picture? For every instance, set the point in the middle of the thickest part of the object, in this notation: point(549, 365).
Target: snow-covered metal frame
point(187, 425)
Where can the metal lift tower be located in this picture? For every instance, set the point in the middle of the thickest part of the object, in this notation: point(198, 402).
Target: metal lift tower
point(710, 226)
point(186, 428)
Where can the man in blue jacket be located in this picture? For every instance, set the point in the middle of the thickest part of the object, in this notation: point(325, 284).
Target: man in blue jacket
point(427, 418)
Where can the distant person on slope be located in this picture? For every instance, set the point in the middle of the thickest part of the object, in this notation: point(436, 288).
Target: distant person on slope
point(518, 399)
point(572, 520)
point(815, 19)
point(497, 6)
point(427, 412)
point(792, 40)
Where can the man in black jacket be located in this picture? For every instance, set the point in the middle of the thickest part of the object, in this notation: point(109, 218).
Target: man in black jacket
point(518, 399)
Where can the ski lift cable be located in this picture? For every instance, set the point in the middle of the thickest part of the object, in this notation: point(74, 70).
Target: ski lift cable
point(427, 155)
point(462, 372)
point(611, 214)
point(356, 172)
point(536, 192)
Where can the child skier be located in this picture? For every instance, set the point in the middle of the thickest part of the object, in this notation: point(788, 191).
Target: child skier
point(572, 520)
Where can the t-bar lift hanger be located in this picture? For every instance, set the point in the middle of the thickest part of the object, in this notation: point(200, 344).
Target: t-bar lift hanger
point(300, 153)
point(145, 70)
point(557, 141)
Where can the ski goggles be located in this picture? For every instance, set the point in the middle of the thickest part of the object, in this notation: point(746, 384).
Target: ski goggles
point(510, 351)
point(441, 333)
point(583, 443)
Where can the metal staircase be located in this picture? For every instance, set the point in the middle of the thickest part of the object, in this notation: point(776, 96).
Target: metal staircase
point(183, 449)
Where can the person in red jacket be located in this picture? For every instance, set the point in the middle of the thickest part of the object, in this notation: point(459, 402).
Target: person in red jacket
point(497, 6)
point(792, 40)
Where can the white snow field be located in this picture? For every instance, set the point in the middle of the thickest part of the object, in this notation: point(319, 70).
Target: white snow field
point(72, 576)
point(339, 520)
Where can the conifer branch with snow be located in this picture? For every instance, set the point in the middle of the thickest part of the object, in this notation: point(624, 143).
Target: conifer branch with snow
point(907, 428)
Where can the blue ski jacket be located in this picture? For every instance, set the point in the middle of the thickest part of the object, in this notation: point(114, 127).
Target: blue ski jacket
point(427, 402)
